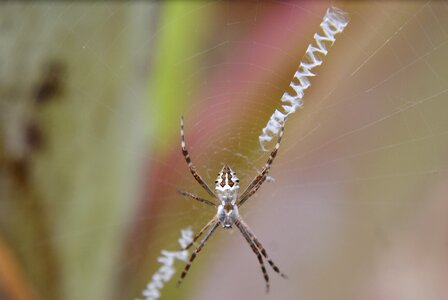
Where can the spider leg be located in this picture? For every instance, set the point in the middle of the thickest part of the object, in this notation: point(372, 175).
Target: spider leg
point(255, 250)
point(260, 178)
point(249, 194)
point(198, 235)
point(196, 251)
point(261, 248)
point(193, 196)
point(188, 160)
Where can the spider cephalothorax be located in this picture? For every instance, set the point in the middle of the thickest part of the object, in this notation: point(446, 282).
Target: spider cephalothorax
point(227, 194)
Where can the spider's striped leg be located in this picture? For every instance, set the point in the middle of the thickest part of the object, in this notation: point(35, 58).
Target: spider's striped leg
point(255, 250)
point(188, 160)
point(249, 194)
point(196, 251)
point(261, 248)
point(260, 178)
point(193, 196)
point(198, 235)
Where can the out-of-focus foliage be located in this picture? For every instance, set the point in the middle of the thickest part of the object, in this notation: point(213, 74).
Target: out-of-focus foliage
point(73, 82)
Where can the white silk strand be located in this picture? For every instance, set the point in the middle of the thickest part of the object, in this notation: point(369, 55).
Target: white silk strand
point(334, 22)
point(166, 270)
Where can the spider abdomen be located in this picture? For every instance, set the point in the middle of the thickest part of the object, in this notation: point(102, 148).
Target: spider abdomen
point(227, 183)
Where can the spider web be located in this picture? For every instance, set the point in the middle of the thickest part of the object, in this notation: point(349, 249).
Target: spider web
point(361, 165)
point(357, 162)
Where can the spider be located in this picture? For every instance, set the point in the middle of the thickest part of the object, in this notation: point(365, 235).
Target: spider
point(226, 193)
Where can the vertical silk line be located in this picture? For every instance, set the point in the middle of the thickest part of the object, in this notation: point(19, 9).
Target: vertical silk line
point(166, 270)
point(334, 22)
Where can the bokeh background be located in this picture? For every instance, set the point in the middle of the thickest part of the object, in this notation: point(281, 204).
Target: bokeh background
point(91, 96)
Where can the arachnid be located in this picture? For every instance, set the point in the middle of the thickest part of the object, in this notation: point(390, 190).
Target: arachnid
point(226, 193)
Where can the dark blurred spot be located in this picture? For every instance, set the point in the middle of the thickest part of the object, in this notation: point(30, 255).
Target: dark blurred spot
point(51, 83)
point(4, 295)
point(19, 170)
point(33, 136)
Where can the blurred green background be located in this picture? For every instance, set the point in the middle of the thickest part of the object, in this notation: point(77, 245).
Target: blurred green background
point(91, 96)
